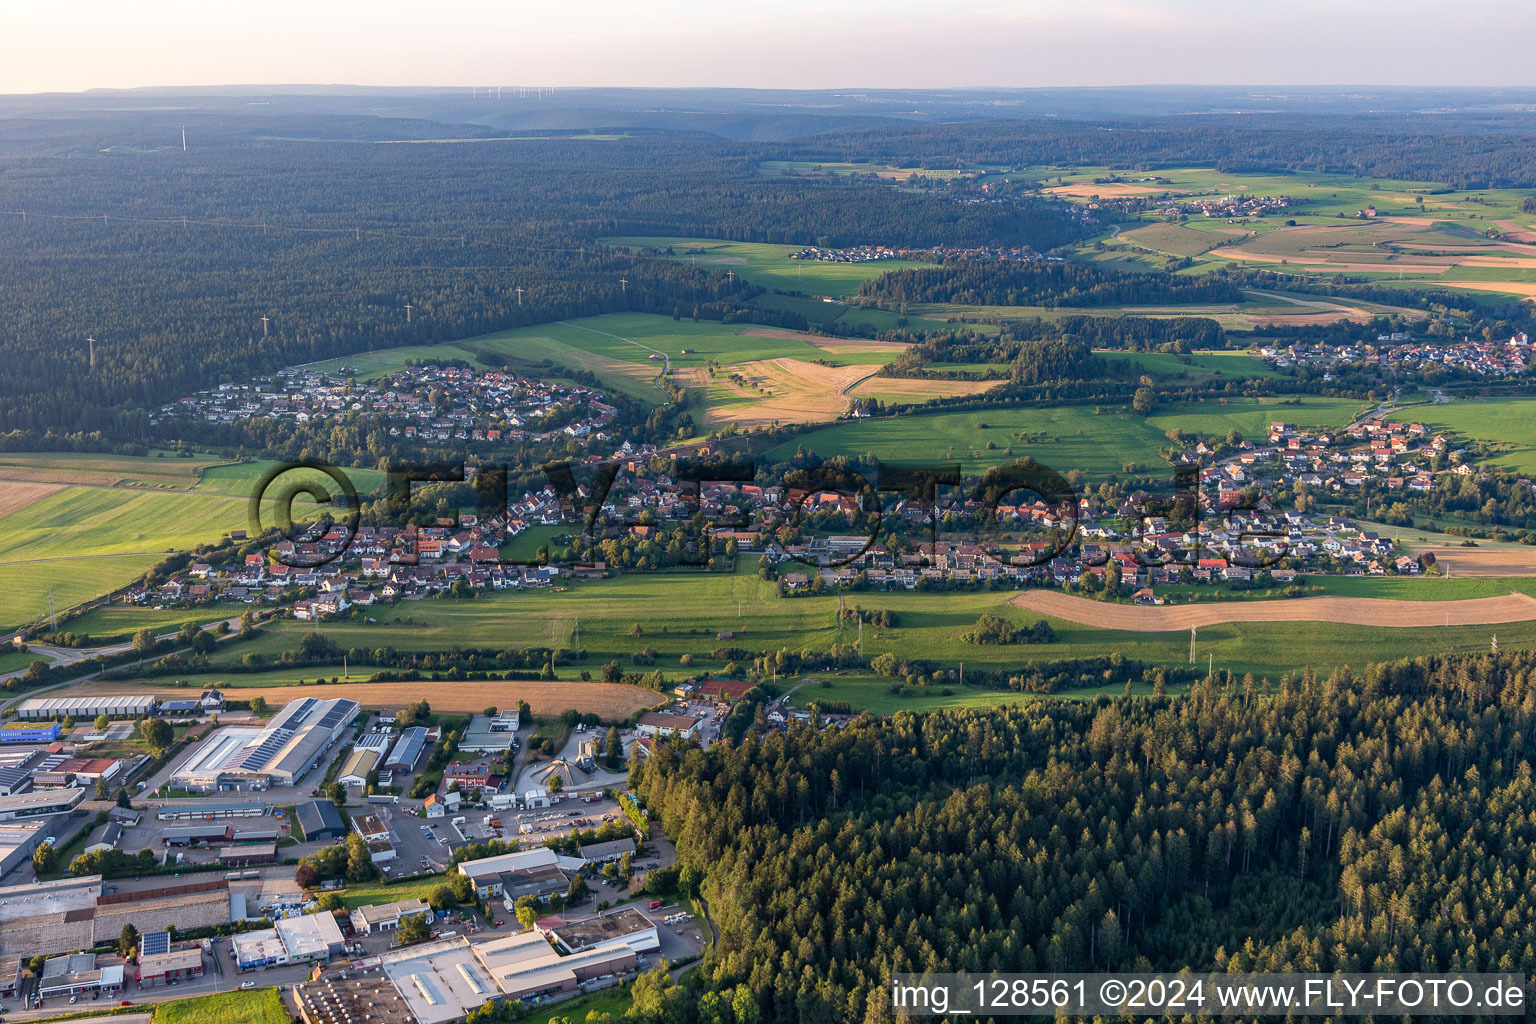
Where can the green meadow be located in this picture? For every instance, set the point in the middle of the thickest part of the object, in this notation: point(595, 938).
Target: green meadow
point(1510, 423)
point(683, 613)
point(1063, 437)
point(769, 266)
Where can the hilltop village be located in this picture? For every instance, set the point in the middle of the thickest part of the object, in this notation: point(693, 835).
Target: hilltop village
point(429, 403)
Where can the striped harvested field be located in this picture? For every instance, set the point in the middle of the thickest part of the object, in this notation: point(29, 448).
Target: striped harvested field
point(1485, 562)
point(1355, 611)
point(609, 700)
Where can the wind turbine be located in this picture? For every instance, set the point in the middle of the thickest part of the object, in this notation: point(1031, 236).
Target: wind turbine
point(264, 326)
point(92, 343)
point(519, 295)
point(408, 308)
point(183, 138)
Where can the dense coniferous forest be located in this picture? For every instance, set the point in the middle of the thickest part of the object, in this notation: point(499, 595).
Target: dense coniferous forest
point(1376, 822)
point(331, 240)
point(979, 283)
point(1462, 151)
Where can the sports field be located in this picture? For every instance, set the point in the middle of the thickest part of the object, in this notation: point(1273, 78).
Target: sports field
point(1064, 437)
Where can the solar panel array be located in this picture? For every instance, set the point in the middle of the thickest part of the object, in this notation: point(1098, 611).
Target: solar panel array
point(154, 943)
point(338, 714)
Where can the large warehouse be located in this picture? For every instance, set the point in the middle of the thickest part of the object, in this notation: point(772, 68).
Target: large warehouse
point(278, 755)
point(84, 709)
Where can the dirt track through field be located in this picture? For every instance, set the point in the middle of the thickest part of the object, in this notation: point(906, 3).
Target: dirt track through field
point(1353, 611)
point(610, 700)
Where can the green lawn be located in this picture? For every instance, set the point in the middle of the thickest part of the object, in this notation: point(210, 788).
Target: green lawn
point(613, 1001)
point(1064, 437)
point(769, 266)
point(123, 620)
point(252, 1006)
point(1201, 366)
point(11, 661)
point(356, 896)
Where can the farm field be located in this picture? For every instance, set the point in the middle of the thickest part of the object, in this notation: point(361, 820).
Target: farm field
point(24, 587)
point(239, 479)
point(140, 471)
point(1357, 611)
point(780, 376)
point(683, 613)
point(1062, 437)
point(611, 701)
point(121, 621)
point(1421, 234)
point(769, 266)
point(84, 541)
point(1508, 422)
point(1200, 365)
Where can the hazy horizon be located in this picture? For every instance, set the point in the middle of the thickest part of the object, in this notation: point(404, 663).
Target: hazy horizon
point(798, 44)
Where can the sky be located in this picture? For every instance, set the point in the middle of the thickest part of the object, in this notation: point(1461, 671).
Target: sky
point(65, 46)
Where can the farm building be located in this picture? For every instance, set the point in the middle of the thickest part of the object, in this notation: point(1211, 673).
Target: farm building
point(82, 708)
point(321, 819)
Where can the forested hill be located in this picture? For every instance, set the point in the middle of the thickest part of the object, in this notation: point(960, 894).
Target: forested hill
point(982, 283)
point(1376, 823)
point(169, 259)
point(1460, 150)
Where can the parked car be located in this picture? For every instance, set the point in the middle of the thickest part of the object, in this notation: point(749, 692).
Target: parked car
point(247, 984)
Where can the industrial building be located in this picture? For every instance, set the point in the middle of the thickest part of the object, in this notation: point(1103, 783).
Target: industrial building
point(355, 772)
point(357, 994)
point(190, 812)
point(18, 839)
point(492, 875)
point(139, 705)
point(601, 853)
point(77, 974)
point(657, 723)
point(321, 819)
point(159, 964)
point(627, 926)
point(39, 804)
point(29, 732)
point(489, 735)
point(293, 940)
point(386, 917)
point(407, 750)
point(280, 754)
point(245, 856)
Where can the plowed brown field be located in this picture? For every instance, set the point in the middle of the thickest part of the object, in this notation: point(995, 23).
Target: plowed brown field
point(610, 700)
point(1355, 611)
point(15, 495)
